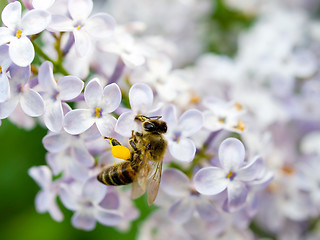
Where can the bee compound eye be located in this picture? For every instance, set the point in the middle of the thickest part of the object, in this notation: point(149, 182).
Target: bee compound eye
point(148, 126)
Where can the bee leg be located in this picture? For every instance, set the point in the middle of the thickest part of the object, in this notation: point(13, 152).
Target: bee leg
point(113, 141)
point(133, 145)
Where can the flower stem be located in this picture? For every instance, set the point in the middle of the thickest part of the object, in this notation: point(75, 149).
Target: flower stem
point(56, 64)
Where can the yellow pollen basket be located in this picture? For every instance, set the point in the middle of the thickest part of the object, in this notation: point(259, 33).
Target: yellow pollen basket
point(18, 33)
point(97, 113)
point(121, 152)
point(229, 174)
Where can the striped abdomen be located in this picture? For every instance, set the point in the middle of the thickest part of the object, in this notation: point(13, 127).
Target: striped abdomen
point(120, 174)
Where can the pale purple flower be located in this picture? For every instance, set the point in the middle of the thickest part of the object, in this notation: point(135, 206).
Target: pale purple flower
point(30, 101)
point(67, 88)
point(180, 130)
point(185, 200)
point(46, 198)
point(17, 29)
point(101, 102)
point(122, 43)
point(5, 63)
point(83, 27)
point(233, 175)
point(85, 200)
point(223, 115)
point(141, 102)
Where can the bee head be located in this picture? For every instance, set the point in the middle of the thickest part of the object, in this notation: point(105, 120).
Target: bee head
point(155, 126)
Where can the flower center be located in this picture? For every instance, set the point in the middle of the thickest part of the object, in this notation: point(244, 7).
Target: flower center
point(18, 33)
point(0, 69)
point(98, 113)
point(240, 126)
point(177, 136)
point(238, 106)
point(222, 119)
point(78, 27)
point(231, 175)
point(19, 89)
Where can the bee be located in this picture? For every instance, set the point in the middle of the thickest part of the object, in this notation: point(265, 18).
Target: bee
point(143, 161)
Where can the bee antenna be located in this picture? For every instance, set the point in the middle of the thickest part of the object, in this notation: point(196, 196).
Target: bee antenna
point(155, 117)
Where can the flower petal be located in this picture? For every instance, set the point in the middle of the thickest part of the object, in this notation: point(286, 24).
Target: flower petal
point(190, 122)
point(42, 175)
point(67, 197)
point(94, 190)
point(7, 107)
point(32, 103)
point(183, 150)
point(175, 183)
point(21, 51)
point(231, 154)
point(100, 25)
point(42, 4)
point(60, 23)
point(107, 217)
point(106, 124)
point(53, 116)
point(126, 124)
point(56, 142)
point(111, 97)
point(206, 210)
point(42, 201)
point(35, 21)
point(182, 210)
point(237, 195)
point(83, 220)
point(69, 87)
point(6, 35)
point(4, 87)
point(82, 154)
point(210, 181)
point(11, 15)
point(93, 93)
point(19, 75)
point(82, 42)
point(80, 9)
point(77, 121)
point(132, 60)
point(141, 98)
point(46, 78)
point(170, 116)
point(251, 171)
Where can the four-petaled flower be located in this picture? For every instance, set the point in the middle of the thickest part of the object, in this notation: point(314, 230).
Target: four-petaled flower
point(17, 29)
point(100, 103)
point(232, 175)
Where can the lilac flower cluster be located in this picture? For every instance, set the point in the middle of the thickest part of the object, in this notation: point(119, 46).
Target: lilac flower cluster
point(243, 132)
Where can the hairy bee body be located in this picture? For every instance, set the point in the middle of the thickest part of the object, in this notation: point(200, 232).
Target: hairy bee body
point(120, 174)
point(144, 163)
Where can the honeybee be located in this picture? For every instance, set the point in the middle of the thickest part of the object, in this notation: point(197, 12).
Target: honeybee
point(143, 161)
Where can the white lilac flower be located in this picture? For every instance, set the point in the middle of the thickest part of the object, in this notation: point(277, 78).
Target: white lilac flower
point(67, 88)
point(185, 200)
point(223, 115)
point(122, 43)
point(30, 101)
point(233, 175)
point(42, 4)
point(83, 27)
point(101, 102)
point(17, 29)
point(85, 200)
point(46, 198)
point(5, 63)
point(141, 102)
point(160, 76)
point(180, 130)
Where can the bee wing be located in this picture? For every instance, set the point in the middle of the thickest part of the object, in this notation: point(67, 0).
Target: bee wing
point(154, 183)
point(139, 184)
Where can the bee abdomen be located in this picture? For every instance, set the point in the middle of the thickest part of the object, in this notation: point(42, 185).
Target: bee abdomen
point(120, 174)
